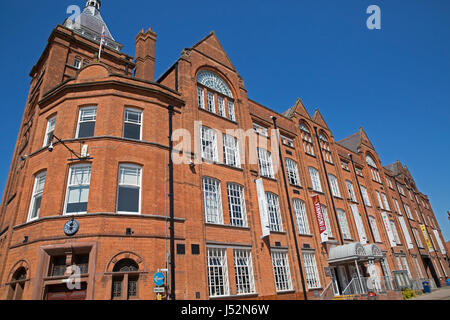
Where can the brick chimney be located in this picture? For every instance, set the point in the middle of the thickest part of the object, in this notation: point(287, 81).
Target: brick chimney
point(145, 55)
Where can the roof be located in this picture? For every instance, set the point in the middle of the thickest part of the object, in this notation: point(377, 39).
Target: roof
point(90, 25)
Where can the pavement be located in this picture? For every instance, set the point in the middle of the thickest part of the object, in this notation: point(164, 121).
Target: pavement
point(440, 294)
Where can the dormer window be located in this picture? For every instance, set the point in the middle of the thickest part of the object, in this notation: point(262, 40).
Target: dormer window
point(214, 95)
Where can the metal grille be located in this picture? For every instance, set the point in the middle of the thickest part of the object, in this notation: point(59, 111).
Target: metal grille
point(244, 272)
point(209, 144)
point(292, 172)
point(212, 201)
point(312, 276)
point(274, 212)
point(117, 288)
point(236, 204)
point(281, 271)
point(265, 163)
point(231, 151)
point(300, 215)
point(218, 272)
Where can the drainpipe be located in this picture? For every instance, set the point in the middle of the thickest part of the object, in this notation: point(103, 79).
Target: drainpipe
point(361, 195)
point(294, 234)
point(171, 204)
point(329, 189)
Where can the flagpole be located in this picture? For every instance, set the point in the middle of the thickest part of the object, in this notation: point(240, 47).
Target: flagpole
point(102, 42)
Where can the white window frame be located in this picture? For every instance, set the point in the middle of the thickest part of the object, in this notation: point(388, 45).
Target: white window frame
point(66, 202)
point(260, 129)
point(211, 100)
point(327, 221)
point(265, 163)
point(236, 203)
point(343, 222)
point(385, 201)
point(281, 270)
point(119, 184)
point(209, 151)
point(365, 195)
point(51, 123)
point(334, 186)
point(221, 255)
point(315, 179)
point(396, 235)
point(292, 172)
point(38, 191)
point(141, 120)
point(80, 119)
point(231, 151)
point(221, 106)
point(379, 200)
point(350, 190)
point(417, 237)
point(245, 279)
point(201, 98)
point(213, 213)
point(301, 217)
point(273, 206)
point(231, 111)
point(373, 225)
point(311, 271)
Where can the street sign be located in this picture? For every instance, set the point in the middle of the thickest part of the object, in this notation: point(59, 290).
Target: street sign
point(159, 290)
point(158, 279)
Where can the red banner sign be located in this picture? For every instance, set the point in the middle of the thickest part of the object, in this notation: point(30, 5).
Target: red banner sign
point(320, 218)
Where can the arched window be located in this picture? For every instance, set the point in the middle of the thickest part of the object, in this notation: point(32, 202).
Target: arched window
point(214, 95)
point(325, 145)
point(17, 284)
point(307, 139)
point(373, 168)
point(125, 280)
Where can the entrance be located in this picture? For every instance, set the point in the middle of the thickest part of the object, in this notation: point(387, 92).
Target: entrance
point(429, 267)
point(61, 292)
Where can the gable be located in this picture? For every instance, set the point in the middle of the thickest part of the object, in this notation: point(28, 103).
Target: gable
point(211, 47)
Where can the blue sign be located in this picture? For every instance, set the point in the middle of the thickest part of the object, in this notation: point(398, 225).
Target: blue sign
point(158, 279)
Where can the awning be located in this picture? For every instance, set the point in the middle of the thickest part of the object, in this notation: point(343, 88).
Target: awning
point(354, 251)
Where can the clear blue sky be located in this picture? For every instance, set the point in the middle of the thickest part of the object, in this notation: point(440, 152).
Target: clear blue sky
point(394, 82)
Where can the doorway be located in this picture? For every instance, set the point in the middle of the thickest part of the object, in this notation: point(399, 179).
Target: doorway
point(61, 292)
point(430, 267)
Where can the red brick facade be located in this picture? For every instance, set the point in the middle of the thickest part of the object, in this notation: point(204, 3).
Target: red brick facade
point(58, 89)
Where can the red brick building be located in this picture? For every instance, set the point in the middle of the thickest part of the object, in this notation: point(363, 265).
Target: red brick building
point(245, 224)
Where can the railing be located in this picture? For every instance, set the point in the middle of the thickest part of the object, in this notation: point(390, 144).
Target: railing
point(328, 292)
point(364, 285)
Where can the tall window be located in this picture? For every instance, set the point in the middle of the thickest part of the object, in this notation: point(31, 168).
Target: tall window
point(35, 206)
point(379, 200)
point(312, 275)
point(212, 201)
point(78, 189)
point(325, 145)
point(217, 91)
point(265, 163)
point(373, 169)
point(386, 203)
point(86, 122)
point(334, 186)
point(408, 212)
point(344, 224)
point(260, 130)
point(419, 270)
point(129, 190)
point(231, 151)
point(307, 140)
point(301, 217)
point(243, 269)
point(17, 284)
point(132, 127)
point(398, 207)
point(327, 221)
point(365, 196)
point(236, 205)
point(281, 271)
point(315, 180)
point(218, 272)
point(77, 63)
point(400, 189)
point(287, 141)
point(351, 191)
point(209, 144)
point(274, 212)
point(406, 266)
point(50, 130)
point(373, 225)
point(418, 239)
point(125, 280)
point(292, 172)
point(394, 230)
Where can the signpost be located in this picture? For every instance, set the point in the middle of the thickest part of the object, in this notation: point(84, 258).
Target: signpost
point(159, 279)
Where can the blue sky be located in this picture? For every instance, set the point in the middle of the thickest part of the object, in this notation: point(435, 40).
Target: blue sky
point(394, 82)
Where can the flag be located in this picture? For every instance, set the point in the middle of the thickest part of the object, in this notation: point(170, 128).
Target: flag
point(102, 43)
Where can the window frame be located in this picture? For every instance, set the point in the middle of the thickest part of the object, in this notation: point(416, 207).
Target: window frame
point(141, 115)
point(80, 121)
point(71, 168)
point(36, 194)
point(219, 214)
point(131, 166)
point(47, 140)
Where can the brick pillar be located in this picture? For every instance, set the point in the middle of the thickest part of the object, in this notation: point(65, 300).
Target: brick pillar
point(145, 55)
